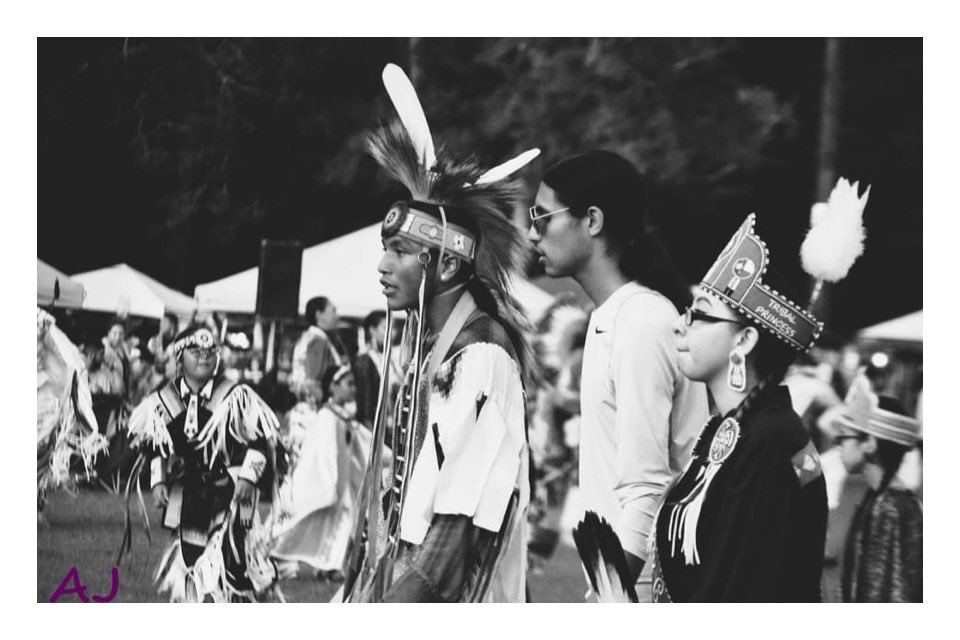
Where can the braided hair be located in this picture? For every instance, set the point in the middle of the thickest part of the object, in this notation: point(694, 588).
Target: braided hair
point(889, 455)
point(771, 359)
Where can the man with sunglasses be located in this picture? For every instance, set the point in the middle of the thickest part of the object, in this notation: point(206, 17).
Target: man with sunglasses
point(207, 441)
point(639, 414)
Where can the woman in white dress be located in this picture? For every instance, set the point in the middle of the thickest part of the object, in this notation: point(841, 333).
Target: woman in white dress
point(323, 485)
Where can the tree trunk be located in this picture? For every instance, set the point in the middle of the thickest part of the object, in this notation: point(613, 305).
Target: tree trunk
point(412, 45)
point(829, 120)
point(827, 148)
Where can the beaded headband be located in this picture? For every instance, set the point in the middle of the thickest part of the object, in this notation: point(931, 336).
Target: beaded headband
point(423, 223)
point(202, 338)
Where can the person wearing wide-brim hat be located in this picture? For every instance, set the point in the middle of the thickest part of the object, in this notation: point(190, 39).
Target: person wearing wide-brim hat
point(883, 560)
point(746, 521)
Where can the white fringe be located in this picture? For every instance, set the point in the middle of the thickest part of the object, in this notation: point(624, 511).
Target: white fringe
point(147, 426)
point(207, 580)
point(76, 427)
point(246, 415)
point(682, 527)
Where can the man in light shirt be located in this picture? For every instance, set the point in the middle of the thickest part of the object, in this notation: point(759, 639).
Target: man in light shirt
point(639, 414)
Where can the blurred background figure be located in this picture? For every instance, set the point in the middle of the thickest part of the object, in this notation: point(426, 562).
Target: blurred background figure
point(109, 385)
point(329, 455)
point(814, 388)
point(883, 558)
point(160, 347)
point(367, 364)
point(66, 425)
point(317, 350)
point(554, 410)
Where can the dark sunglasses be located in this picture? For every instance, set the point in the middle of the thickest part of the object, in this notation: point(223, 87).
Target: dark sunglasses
point(849, 436)
point(690, 315)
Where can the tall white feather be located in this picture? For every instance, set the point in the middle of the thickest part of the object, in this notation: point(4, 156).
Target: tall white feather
point(407, 104)
point(501, 171)
point(836, 235)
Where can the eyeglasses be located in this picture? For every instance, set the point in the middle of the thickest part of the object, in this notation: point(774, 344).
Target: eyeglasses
point(200, 352)
point(849, 436)
point(535, 217)
point(690, 315)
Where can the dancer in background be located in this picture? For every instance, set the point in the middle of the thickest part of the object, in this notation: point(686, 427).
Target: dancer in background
point(208, 442)
point(66, 425)
point(321, 491)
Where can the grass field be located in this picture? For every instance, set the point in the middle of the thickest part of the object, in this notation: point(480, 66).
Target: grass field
point(84, 531)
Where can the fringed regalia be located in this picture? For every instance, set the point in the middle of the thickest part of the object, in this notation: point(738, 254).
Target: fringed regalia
point(66, 425)
point(746, 520)
point(199, 444)
point(319, 497)
point(462, 531)
point(449, 524)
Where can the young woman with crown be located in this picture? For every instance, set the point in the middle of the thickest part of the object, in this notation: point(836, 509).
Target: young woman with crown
point(746, 520)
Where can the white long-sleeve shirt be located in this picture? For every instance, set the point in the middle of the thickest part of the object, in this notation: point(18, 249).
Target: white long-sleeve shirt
point(639, 414)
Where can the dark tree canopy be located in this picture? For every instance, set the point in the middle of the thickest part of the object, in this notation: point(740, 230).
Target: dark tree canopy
point(178, 155)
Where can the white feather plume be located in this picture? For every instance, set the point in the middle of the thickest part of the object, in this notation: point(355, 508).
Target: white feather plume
point(407, 104)
point(501, 171)
point(836, 235)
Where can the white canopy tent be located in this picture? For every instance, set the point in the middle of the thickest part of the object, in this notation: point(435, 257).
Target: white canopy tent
point(908, 328)
point(56, 288)
point(343, 269)
point(122, 289)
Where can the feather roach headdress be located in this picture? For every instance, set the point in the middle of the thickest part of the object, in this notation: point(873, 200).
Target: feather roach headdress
point(459, 207)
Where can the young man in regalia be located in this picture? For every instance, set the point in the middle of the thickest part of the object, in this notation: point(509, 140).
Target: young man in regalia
point(208, 442)
point(449, 524)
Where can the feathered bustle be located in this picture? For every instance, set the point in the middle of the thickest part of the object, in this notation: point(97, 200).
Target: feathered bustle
point(603, 559)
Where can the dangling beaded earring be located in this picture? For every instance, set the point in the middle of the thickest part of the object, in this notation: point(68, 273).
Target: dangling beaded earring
point(737, 372)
